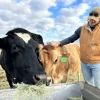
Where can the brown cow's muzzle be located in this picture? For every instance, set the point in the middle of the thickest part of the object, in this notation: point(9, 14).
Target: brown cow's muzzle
point(41, 79)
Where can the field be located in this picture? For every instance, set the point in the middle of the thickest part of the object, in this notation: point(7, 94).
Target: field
point(3, 81)
point(4, 84)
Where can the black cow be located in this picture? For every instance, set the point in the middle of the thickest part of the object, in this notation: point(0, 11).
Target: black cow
point(19, 57)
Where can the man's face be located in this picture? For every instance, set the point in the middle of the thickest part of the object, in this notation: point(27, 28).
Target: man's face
point(93, 18)
point(92, 22)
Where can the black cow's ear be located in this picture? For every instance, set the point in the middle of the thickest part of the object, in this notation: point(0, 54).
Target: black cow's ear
point(38, 38)
point(2, 43)
point(11, 32)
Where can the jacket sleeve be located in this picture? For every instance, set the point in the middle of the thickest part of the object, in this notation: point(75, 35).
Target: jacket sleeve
point(72, 38)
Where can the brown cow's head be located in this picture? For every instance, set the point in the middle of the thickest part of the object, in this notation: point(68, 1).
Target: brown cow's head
point(53, 63)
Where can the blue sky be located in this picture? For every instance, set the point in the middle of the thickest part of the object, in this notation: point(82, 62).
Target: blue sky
point(53, 19)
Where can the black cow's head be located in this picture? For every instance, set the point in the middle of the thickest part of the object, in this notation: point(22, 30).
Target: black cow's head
point(20, 52)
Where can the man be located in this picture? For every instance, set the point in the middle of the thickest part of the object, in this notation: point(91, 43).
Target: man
point(89, 35)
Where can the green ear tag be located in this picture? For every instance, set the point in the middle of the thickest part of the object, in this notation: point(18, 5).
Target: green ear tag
point(63, 59)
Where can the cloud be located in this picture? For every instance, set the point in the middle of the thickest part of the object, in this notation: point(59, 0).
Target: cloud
point(72, 16)
point(74, 11)
point(97, 2)
point(14, 7)
point(68, 20)
point(26, 13)
point(66, 2)
point(40, 8)
point(39, 5)
point(45, 24)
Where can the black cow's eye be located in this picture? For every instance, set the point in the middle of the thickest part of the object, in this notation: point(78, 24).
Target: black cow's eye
point(14, 47)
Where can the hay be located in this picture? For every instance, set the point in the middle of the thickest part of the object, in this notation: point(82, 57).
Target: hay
point(32, 92)
point(75, 98)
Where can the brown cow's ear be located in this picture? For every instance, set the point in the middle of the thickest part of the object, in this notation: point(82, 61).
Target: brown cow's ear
point(67, 55)
point(40, 46)
point(45, 51)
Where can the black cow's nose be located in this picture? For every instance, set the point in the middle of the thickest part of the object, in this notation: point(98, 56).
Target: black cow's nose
point(40, 78)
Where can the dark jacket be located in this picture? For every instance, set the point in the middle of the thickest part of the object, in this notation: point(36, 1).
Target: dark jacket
point(72, 38)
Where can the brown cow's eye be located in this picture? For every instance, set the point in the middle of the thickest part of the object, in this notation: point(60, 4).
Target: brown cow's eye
point(55, 60)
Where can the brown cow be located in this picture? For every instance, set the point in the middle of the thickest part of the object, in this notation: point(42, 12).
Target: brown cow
point(60, 62)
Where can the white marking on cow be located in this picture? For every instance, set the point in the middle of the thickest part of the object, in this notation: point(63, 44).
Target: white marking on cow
point(26, 37)
point(0, 51)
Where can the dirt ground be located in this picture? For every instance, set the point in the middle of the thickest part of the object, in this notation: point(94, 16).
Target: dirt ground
point(4, 84)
